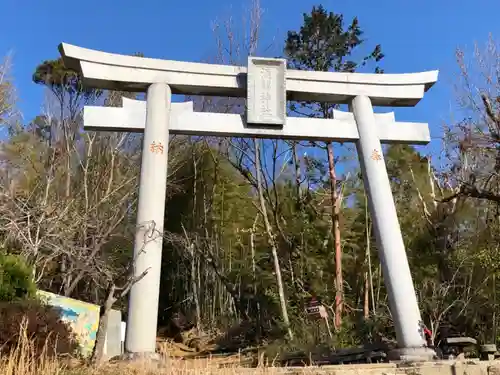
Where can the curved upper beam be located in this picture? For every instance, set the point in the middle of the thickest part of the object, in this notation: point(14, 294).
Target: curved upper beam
point(130, 73)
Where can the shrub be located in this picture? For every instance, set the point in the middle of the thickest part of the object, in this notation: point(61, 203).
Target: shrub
point(16, 282)
point(40, 324)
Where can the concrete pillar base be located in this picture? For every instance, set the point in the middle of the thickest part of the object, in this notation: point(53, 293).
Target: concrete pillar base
point(147, 360)
point(421, 354)
point(146, 356)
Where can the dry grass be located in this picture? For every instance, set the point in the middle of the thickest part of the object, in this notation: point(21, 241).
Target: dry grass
point(24, 361)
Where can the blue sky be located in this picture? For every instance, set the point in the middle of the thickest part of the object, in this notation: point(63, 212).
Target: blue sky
point(415, 35)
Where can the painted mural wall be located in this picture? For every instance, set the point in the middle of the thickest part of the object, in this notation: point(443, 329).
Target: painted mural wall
point(82, 317)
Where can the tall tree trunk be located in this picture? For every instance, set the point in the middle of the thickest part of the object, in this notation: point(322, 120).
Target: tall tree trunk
point(335, 213)
point(194, 285)
point(368, 227)
point(271, 239)
point(366, 300)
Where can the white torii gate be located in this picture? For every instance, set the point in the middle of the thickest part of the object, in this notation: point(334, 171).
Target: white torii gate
point(267, 85)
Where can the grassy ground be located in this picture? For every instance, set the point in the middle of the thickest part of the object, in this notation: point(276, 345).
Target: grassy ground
point(23, 361)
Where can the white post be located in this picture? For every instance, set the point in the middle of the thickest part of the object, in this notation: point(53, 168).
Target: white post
point(144, 295)
point(397, 276)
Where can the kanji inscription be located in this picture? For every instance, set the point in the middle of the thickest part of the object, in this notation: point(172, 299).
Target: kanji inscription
point(156, 148)
point(266, 94)
point(376, 155)
point(265, 91)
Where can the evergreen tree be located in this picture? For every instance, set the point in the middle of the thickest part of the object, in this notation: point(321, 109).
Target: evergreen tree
point(324, 43)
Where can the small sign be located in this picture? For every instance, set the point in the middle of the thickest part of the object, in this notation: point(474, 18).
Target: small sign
point(266, 91)
point(316, 309)
point(312, 310)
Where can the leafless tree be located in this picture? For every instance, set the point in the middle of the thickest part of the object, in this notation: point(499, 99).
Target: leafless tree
point(65, 216)
point(8, 110)
point(438, 300)
point(473, 143)
point(50, 221)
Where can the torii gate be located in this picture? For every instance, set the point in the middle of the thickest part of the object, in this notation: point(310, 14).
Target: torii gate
point(267, 85)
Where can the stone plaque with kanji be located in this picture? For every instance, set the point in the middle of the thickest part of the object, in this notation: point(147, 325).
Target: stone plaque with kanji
point(266, 91)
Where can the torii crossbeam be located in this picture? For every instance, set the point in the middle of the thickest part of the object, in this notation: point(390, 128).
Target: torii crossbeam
point(267, 85)
point(131, 117)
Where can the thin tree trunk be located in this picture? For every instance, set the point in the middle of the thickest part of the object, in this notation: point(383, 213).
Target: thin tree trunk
point(194, 284)
point(254, 275)
point(366, 300)
point(272, 243)
point(368, 227)
point(379, 282)
point(298, 177)
point(339, 282)
point(98, 353)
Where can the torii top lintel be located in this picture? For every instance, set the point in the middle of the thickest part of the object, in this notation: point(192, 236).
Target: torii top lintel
point(129, 73)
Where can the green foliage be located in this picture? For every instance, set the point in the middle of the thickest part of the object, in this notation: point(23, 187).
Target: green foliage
point(16, 279)
point(61, 80)
point(324, 43)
